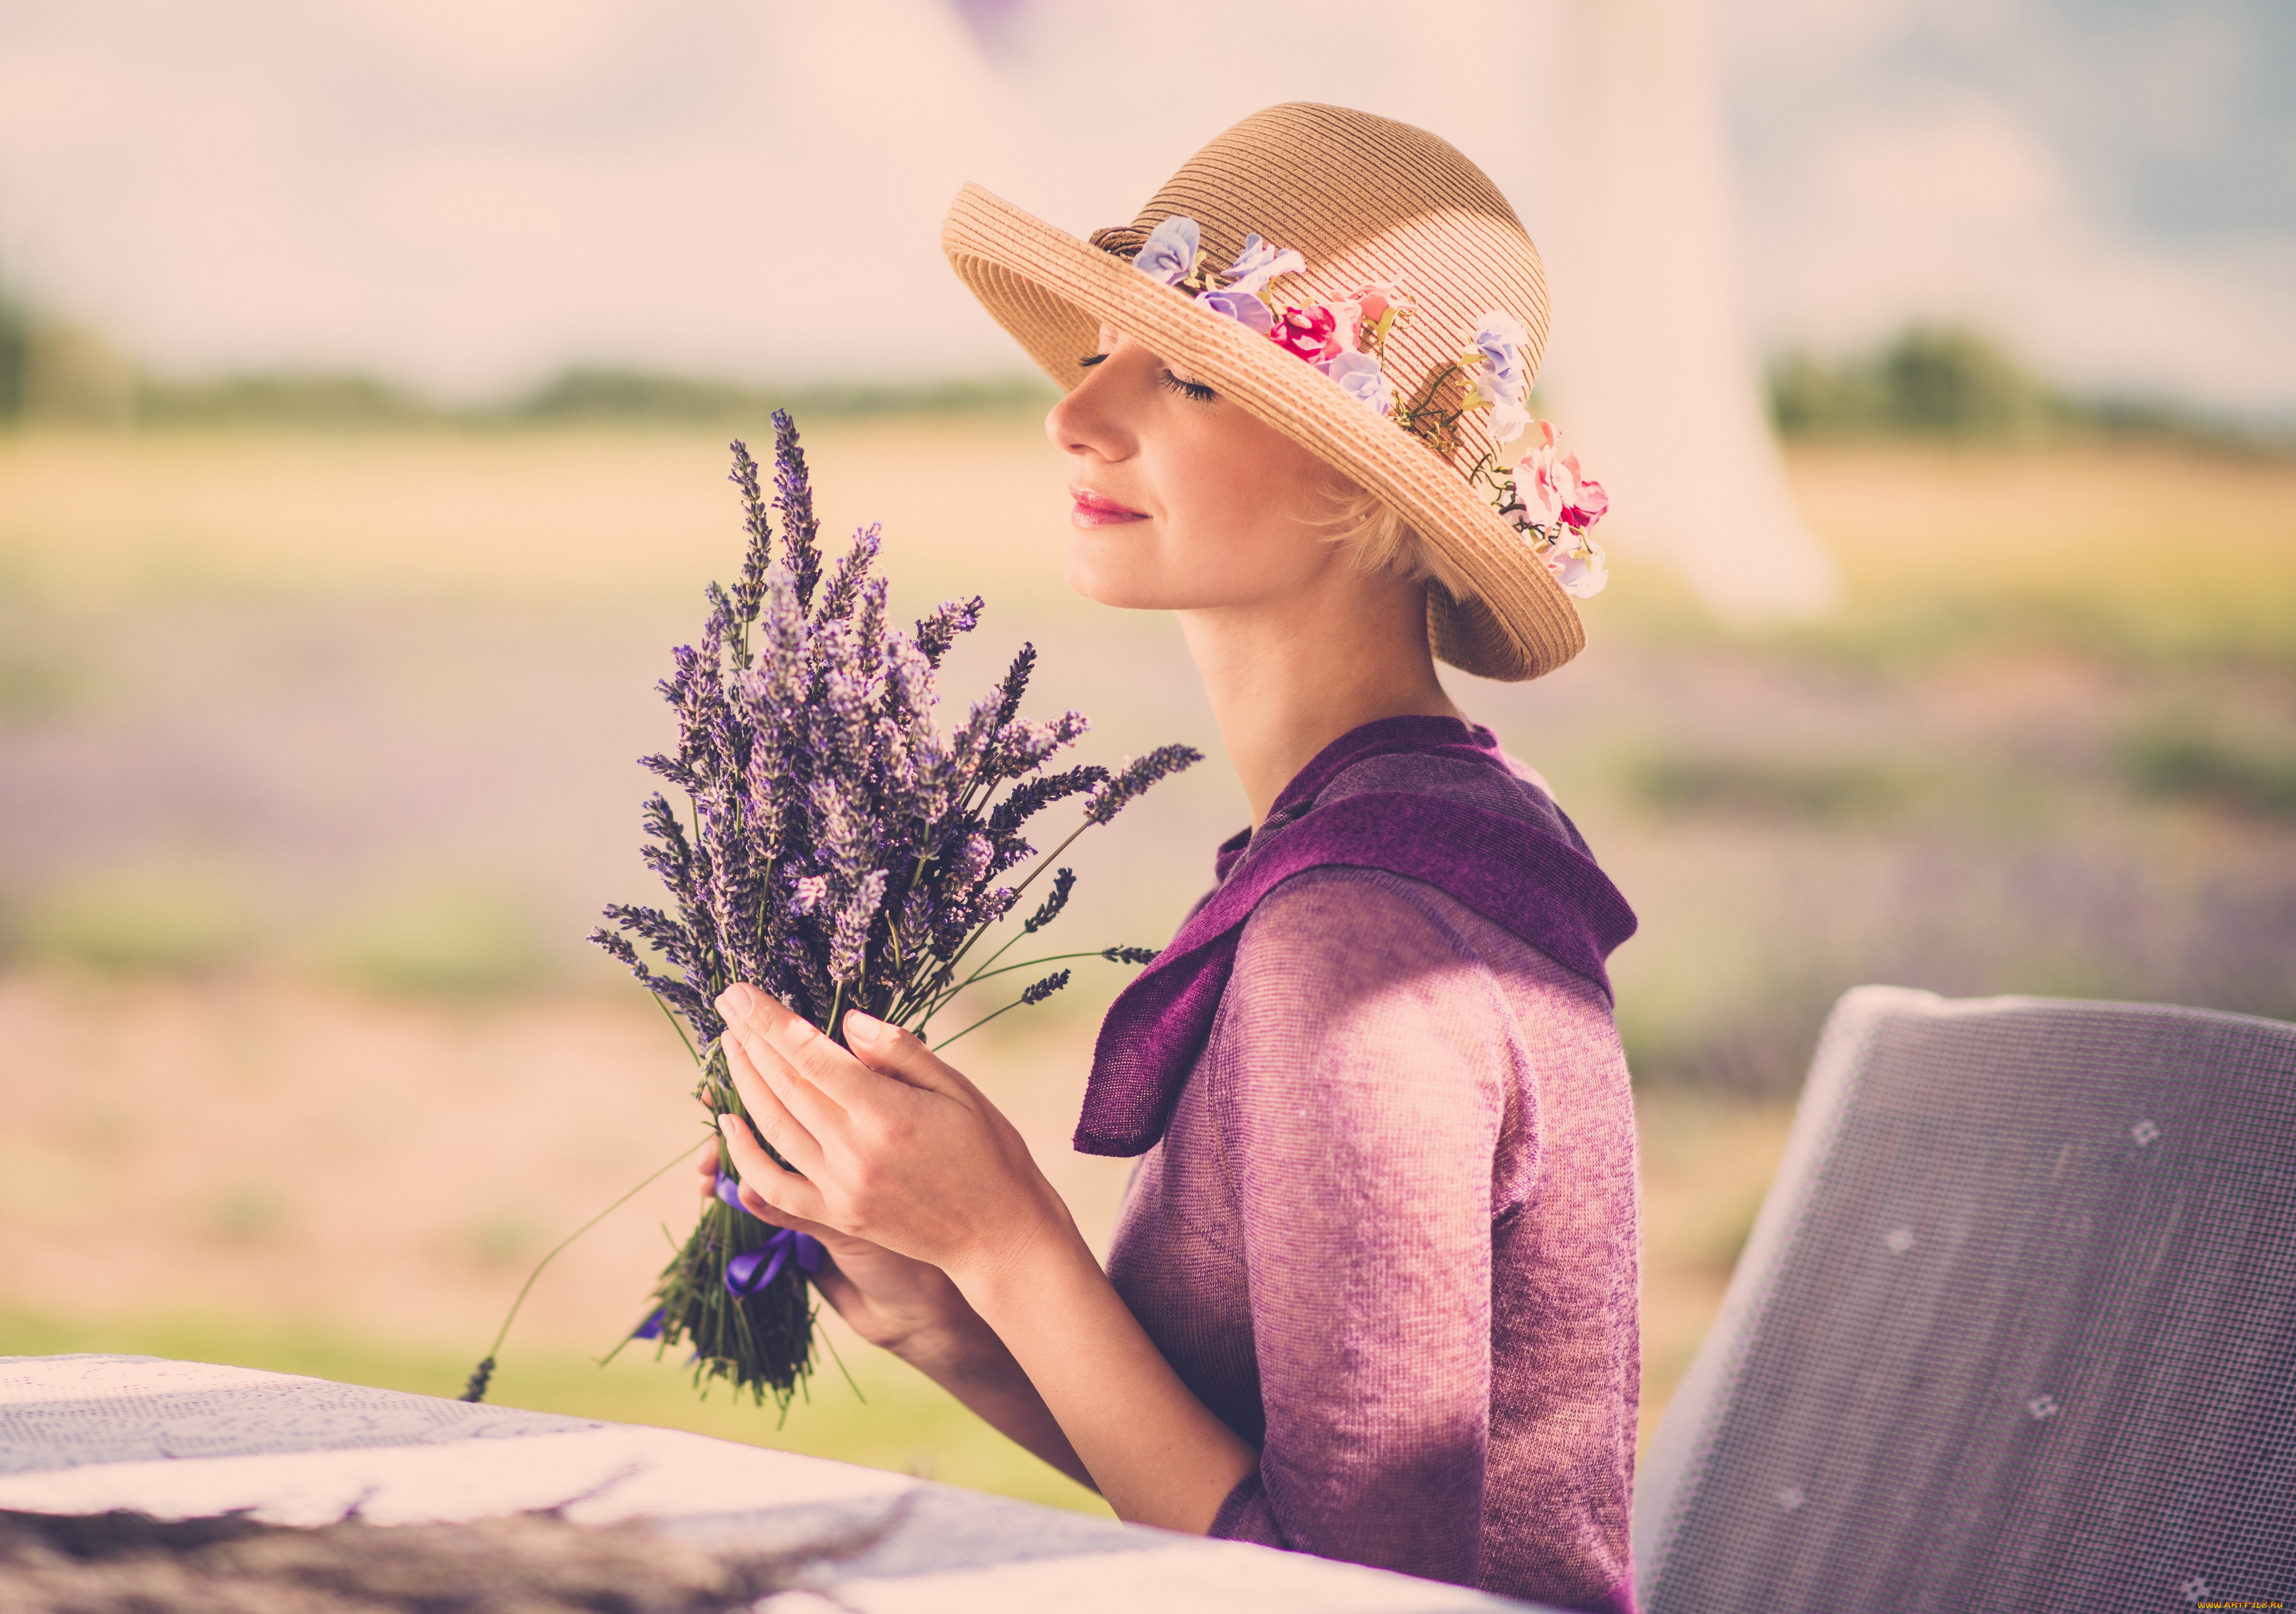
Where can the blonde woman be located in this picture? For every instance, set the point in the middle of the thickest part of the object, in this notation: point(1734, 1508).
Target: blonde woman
point(1373, 1293)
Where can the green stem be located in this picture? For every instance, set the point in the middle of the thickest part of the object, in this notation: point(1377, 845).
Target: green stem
point(504, 1332)
point(985, 973)
point(1042, 863)
point(1016, 1003)
point(690, 1050)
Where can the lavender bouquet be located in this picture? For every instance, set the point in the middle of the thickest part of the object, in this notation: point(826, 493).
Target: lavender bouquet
point(838, 850)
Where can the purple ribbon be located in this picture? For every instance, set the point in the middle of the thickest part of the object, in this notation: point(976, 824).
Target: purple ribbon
point(751, 1271)
point(743, 1273)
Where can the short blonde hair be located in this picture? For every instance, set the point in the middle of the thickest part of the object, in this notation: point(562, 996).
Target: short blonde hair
point(1377, 539)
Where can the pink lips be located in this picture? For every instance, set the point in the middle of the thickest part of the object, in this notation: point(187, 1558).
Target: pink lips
point(1093, 511)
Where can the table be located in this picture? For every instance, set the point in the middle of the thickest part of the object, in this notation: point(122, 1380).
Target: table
point(181, 1439)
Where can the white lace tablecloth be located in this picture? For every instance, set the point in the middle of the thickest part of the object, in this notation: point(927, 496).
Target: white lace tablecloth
point(179, 1439)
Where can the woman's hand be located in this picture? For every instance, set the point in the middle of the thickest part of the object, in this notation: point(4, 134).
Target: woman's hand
point(899, 1305)
point(894, 1149)
point(915, 1186)
point(897, 1151)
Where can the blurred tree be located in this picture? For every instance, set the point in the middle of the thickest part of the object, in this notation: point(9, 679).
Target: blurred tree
point(73, 377)
point(306, 398)
point(1929, 381)
point(1956, 383)
point(15, 335)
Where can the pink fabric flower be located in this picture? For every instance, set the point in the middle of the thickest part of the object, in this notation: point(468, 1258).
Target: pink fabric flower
point(1373, 301)
point(1588, 504)
point(1553, 488)
point(1310, 333)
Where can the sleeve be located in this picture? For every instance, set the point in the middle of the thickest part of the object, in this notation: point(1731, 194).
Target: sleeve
point(1360, 1085)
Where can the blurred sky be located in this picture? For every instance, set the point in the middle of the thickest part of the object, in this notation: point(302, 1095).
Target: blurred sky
point(467, 193)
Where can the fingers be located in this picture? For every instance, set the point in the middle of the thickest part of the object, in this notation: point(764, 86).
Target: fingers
point(774, 1192)
point(892, 1052)
point(774, 1119)
point(769, 1029)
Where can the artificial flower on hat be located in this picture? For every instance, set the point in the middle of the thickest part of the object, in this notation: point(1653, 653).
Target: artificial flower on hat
point(1551, 486)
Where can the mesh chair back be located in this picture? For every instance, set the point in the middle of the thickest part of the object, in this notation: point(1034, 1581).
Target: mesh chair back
point(2016, 1328)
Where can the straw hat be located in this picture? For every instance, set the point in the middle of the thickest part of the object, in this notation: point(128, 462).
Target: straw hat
point(1363, 199)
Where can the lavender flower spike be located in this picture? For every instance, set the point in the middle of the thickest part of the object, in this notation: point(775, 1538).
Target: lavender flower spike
point(1110, 797)
point(1045, 987)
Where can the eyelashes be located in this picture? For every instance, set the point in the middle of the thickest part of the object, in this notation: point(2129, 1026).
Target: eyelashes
point(1195, 391)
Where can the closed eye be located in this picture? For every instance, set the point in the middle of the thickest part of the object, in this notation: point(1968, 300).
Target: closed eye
point(1195, 391)
point(1090, 359)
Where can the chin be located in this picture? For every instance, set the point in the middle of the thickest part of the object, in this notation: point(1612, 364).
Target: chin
point(1105, 572)
point(1139, 576)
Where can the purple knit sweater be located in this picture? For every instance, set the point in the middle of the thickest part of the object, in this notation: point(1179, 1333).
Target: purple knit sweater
point(1389, 1231)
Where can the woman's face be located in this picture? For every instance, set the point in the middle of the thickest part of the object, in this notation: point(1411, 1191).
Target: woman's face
point(1184, 501)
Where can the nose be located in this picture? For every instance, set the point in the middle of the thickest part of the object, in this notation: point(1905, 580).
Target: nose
point(1094, 419)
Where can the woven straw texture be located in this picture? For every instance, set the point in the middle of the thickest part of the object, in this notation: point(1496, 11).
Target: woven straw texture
point(1363, 198)
point(2016, 1329)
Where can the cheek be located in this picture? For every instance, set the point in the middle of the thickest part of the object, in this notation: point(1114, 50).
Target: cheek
point(1229, 534)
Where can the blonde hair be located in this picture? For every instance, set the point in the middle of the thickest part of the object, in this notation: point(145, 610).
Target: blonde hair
point(1377, 539)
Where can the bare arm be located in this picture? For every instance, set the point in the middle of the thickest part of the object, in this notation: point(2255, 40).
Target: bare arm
point(904, 1153)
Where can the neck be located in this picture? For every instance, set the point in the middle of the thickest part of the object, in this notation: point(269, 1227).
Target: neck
point(1287, 680)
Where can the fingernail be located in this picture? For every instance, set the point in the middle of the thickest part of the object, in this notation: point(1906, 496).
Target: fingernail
point(726, 1125)
point(868, 1028)
point(733, 1002)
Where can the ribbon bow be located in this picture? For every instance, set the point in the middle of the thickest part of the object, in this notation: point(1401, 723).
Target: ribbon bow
point(750, 1272)
point(742, 1274)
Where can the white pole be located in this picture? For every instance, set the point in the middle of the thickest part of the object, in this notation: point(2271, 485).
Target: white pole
point(1654, 376)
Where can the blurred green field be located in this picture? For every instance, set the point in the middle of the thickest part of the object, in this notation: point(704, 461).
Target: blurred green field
point(316, 763)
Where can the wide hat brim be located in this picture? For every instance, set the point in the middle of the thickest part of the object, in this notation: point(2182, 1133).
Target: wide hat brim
point(1053, 293)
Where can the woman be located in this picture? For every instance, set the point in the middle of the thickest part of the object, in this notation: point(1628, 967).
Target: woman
point(1373, 1294)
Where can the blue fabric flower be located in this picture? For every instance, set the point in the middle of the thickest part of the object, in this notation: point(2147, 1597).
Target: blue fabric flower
point(1360, 377)
point(1261, 262)
point(1501, 376)
point(1170, 250)
point(1499, 339)
point(1242, 307)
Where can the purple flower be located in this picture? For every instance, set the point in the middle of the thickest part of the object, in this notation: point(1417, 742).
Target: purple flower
point(1261, 262)
point(1109, 798)
point(1360, 376)
point(849, 945)
point(1169, 253)
point(1045, 987)
point(1499, 372)
point(1242, 307)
